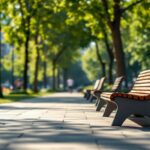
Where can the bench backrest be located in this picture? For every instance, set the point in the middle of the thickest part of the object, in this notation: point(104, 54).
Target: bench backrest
point(142, 84)
point(117, 84)
point(101, 83)
point(96, 84)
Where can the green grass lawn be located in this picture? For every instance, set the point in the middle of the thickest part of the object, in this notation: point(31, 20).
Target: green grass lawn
point(17, 96)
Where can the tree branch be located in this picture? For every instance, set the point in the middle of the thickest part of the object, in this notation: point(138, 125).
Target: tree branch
point(109, 50)
point(98, 54)
point(105, 4)
point(131, 6)
point(22, 13)
point(59, 54)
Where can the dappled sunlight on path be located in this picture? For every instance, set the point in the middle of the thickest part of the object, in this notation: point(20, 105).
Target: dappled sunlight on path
point(65, 121)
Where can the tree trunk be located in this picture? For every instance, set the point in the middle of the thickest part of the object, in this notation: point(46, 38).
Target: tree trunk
point(36, 71)
point(1, 91)
point(35, 88)
point(58, 55)
point(119, 53)
point(58, 78)
point(12, 71)
point(103, 65)
point(117, 41)
point(25, 74)
point(118, 50)
point(45, 74)
point(111, 58)
point(35, 84)
point(110, 72)
point(64, 78)
point(54, 75)
point(114, 26)
point(25, 83)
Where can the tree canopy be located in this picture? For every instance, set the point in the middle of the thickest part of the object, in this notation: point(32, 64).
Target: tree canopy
point(49, 36)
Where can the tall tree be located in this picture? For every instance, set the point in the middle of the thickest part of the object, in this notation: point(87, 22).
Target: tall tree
point(37, 59)
point(25, 10)
point(102, 63)
point(1, 92)
point(110, 55)
point(114, 20)
point(13, 67)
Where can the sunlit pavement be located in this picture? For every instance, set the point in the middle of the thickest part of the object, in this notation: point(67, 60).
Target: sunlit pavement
point(66, 121)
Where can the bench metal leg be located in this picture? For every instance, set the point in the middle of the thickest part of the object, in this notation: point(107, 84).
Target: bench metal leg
point(109, 109)
point(85, 94)
point(97, 96)
point(101, 103)
point(92, 98)
point(127, 107)
point(97, 101)
point(88, 96)
point(120, 117)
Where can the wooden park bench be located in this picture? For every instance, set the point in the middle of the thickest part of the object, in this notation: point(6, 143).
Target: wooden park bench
point(137, 101)
point(98, 85)
point(106, 95)
point(94, 94)
point(88, 91)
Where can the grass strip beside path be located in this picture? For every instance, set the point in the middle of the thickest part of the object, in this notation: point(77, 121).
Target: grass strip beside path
point(13, 97)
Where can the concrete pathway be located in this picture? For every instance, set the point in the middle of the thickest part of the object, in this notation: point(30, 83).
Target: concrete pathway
point(66, 122)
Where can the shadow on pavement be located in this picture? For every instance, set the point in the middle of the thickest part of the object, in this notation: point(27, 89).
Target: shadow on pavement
point(26, 132)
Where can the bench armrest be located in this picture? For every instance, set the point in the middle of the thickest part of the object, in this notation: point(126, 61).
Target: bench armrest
point(130, 96)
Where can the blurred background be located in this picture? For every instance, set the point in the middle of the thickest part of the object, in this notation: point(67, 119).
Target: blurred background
point(43, 43)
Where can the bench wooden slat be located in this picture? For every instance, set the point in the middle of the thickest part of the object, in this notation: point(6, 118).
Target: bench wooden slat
point(140, 92)
point(142, 81)
point(141, 88)
point(145, 71)
point(96, 84)
point(117, 84)
point(106, 95)
point(144, 74)
point(147, 84)
point(142, 85)
point(143, 78)
point(101, 83)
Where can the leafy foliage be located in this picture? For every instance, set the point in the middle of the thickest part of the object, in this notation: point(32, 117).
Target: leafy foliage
point(62, 31)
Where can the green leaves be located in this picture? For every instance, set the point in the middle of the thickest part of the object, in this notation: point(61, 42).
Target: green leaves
point(66, 27)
